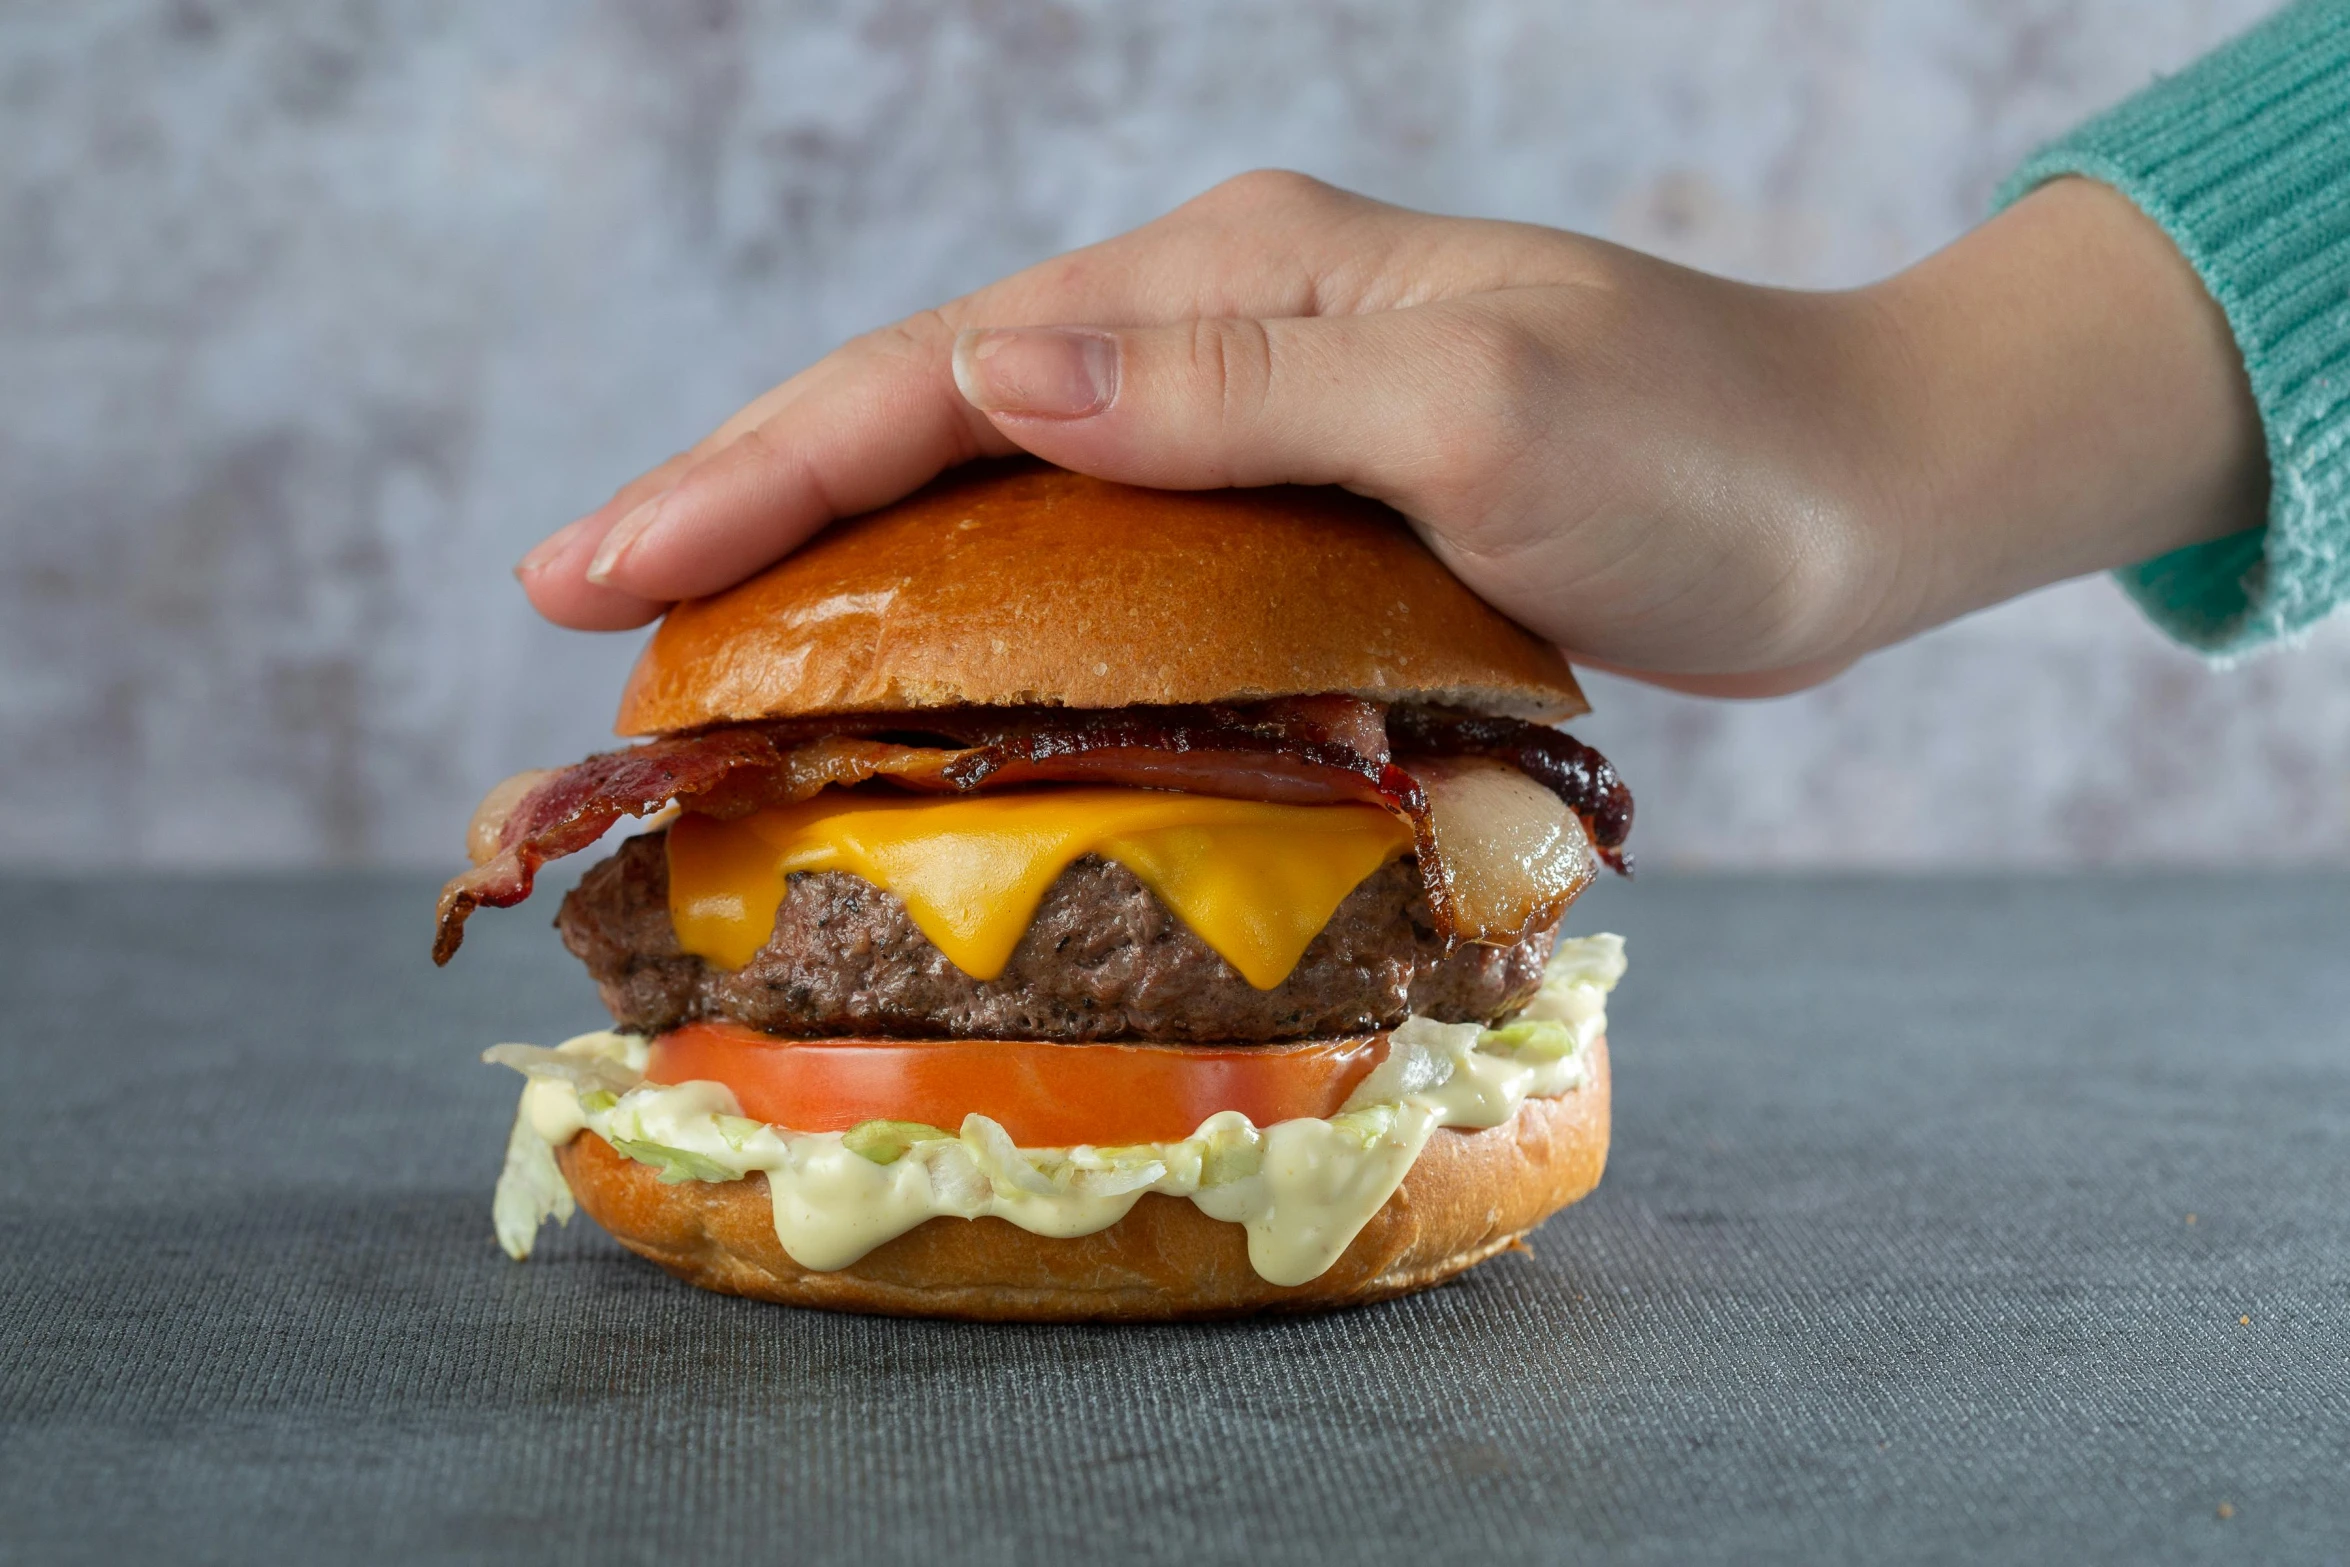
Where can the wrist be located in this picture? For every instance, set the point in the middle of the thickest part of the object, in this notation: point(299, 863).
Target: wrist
point(2064, 397)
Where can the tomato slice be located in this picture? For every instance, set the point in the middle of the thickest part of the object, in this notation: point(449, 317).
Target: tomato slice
point(1045, 1095)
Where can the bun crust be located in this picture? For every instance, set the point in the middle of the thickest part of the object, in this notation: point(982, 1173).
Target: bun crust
point(1470, 1195)
point(1012, 583)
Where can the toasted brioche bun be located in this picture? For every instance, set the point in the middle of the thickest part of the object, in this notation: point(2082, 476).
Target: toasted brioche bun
point(1470, 1195)
point(1012, 582)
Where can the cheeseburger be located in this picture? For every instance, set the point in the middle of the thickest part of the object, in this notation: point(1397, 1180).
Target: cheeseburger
point(1063, 901)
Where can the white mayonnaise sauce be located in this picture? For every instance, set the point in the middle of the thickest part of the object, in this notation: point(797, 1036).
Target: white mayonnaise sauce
point(1303, 1189)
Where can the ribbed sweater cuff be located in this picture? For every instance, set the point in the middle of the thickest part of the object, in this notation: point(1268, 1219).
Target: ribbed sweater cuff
point(2244, 160)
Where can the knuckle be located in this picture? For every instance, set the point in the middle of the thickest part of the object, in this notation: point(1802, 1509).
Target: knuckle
point(760, 446)
point(1271, 191)
point(1231, 368)
point(917, 336)
point(1240, 358)
point(1498, 403)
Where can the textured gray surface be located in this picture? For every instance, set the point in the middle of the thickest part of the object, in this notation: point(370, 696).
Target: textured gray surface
point(1893, 1262)
point(314, 315)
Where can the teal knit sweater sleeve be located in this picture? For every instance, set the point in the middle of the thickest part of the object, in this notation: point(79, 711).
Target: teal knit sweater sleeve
point(2244, 159)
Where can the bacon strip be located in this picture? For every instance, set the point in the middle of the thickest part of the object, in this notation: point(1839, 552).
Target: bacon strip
point(725, 772)
point(1303, 750)
point(1202, 750)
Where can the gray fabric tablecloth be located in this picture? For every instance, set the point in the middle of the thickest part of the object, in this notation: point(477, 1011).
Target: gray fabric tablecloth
point(1946, 1219)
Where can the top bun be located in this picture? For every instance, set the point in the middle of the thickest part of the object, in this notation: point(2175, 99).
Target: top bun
point(1012, 583)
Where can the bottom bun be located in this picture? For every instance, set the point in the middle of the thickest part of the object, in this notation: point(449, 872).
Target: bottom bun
point(1470, 1195)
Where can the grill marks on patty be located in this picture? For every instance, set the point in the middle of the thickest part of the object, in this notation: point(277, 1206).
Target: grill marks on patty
point(1103, 959)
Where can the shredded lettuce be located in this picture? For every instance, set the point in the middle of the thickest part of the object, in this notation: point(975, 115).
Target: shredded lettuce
point(886, 1142)
point(1109, 1172)
point(1421, 1054)
point(676, 1165)
point(1366, 1125)
point(1233, 1154)
point(736, 1131)
point(1531, 1039)
point(583, 1070)
point(531, 1190)
point(1596, 960)
point(1450, 1074)
point(1000, 1159)
point(1140, 1175)
point(596, 1068)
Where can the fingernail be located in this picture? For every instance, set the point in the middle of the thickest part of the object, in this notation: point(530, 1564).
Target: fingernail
point(1058, 372)
point(542, 554)
point(622, 539)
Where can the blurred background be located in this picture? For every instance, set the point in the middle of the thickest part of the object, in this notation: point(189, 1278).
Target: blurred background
point(315, 314)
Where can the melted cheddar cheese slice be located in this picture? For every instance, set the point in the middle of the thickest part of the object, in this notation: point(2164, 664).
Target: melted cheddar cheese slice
point(1255, 881)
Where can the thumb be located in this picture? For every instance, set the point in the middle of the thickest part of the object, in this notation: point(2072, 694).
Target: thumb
point(1405, 405)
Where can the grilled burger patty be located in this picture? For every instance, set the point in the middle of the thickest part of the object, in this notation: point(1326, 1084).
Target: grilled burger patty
point(1104, 959)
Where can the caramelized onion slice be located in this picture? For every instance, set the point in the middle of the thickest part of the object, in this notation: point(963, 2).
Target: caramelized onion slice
point(485, 835)
point(1501, 855)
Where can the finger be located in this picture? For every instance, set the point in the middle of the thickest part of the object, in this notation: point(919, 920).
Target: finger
point(554, 574)
point(880, 417)
point(1267, 243)
point(560, 591)
point(868, 440)
point(1757, 686)
point(1414, 407)
point(1264, 244)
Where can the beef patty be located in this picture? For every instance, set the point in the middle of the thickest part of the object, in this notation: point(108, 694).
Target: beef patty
point(1104, 959)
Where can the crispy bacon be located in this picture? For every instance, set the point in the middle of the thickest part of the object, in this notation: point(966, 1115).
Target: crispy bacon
point(725, 772)
point(566, 811)
point(1303, 750)
point(1202, 750)
point(1341, 720)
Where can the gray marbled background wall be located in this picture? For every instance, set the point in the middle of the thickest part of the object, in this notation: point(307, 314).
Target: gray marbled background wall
point(314, 315)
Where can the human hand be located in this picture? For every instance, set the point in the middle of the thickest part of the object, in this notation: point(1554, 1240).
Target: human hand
point(1719, 487)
